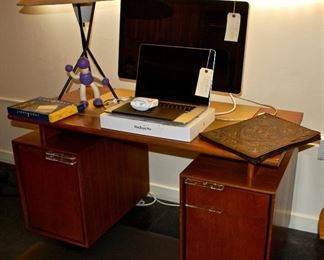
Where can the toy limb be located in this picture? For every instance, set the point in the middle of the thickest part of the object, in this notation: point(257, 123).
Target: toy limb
point(69, 70)
point(97, 77)
point(83, 96)
point(97, 100)
point(103, 80)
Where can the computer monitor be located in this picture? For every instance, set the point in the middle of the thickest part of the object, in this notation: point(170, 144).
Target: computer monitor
point(189, 23)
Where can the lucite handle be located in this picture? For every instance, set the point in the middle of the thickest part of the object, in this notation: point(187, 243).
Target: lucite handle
point(211, 210)
point(205, 184)
point(61, 158)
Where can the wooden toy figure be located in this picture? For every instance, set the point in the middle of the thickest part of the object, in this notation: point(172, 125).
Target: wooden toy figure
point(86, 78)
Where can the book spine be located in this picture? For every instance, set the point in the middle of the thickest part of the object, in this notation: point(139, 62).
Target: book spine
point(63, 113)
point(27, 114)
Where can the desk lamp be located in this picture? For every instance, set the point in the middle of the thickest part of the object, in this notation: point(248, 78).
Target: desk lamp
point(84, 10)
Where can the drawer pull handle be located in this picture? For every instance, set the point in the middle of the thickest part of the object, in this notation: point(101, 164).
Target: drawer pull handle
point(211, 210)
point(205, 184)
point(60, 157)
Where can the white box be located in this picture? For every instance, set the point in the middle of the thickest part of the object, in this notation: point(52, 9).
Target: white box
point(158, 128)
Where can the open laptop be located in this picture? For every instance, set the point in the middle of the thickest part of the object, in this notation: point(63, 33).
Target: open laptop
point(170, 74)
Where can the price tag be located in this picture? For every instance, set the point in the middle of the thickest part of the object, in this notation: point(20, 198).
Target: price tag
point(232, 27)
point(204, 82)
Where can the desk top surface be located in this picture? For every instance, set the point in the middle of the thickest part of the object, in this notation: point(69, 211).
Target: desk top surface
point(89, 122)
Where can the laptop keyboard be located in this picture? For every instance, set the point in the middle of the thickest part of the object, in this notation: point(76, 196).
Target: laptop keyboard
point(182, 107)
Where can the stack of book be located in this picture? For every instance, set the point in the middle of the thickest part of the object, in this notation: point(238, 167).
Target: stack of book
point(43, 109)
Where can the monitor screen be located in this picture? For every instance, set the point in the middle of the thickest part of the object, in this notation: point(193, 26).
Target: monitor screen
point(189, 23)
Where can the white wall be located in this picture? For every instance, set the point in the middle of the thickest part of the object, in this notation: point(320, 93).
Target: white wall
point(284, 66)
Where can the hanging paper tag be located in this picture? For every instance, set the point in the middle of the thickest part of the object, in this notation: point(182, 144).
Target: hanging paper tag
point(232, 27)
point(204, 83)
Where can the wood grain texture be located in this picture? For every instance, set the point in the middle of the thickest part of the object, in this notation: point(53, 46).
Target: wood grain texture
point(249, 208)
point(78, 203)
point(89, 122)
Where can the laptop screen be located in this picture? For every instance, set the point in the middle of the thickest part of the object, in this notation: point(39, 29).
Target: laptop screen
point(171, 73)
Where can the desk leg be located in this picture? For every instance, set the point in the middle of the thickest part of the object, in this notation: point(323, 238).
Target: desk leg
point(321, 224)
point(251, 171)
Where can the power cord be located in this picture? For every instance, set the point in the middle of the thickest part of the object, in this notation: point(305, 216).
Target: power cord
point(260, 104)
point(275, 110)
point(228, 111)
point(142, 203)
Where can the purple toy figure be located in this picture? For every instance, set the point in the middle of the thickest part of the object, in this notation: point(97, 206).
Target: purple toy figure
point(86, 78)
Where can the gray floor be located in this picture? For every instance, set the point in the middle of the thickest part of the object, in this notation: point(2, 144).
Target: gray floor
point(144, 233)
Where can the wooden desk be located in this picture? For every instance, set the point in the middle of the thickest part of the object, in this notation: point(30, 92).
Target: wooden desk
point(88, 122)
point(321, 224)
point(77, 203)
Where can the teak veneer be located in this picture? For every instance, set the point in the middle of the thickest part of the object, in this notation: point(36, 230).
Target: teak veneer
point(108, 174)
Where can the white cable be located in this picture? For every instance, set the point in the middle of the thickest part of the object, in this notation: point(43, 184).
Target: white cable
point(235, 105)
point(232, 119)
point(142, 203)
point(165, 203)
point(260, 104)
point(228, 111)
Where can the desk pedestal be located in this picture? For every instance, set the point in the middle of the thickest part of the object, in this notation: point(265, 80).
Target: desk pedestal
point(75, 186)
point(225, 214)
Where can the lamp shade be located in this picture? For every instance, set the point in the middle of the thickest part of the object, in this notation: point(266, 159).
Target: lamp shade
point(54, 2)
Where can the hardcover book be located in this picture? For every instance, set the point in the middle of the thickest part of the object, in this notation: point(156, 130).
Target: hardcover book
point(261, 137)
point(43, 109)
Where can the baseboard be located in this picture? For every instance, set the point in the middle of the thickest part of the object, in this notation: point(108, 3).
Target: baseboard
point(304, 222)
point(165, 192)
point(6, 156)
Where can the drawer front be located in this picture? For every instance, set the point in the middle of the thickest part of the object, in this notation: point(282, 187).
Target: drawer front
point(50, 188)
point(223, 222)
point(220, 198)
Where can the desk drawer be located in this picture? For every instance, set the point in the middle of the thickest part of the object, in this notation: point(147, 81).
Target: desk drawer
point(221, 199)
point(222, 222)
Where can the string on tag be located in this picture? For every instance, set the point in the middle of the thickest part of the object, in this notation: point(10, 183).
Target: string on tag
point(234, 8)
point(211, 50)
